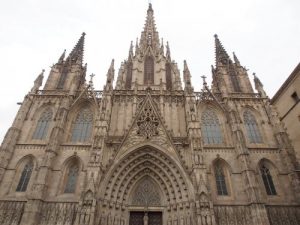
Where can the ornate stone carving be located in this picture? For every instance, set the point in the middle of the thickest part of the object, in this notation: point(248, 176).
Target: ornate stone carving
point(146, 194)
point(11, 212)
point(147, 122)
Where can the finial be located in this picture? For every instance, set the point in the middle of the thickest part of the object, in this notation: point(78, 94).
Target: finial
point(112, 63)
point(150, 6)
point(204, 80)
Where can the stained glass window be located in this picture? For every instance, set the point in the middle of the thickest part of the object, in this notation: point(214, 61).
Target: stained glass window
point(71, 178)
point(252, 128)
point(149, 70)
point(210, 127)
point(220, 179)
point(268, 181)
point(42, 125)
point(25, 177)
point(82, 127)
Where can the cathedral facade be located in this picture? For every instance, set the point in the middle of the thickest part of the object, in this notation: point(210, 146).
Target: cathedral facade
point(149, 150)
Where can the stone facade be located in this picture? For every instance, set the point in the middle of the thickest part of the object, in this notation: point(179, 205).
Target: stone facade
point(287, 100)
point(147, 151)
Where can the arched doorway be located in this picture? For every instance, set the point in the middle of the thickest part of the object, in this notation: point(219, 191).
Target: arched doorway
point(146, 203)
point(146, 186)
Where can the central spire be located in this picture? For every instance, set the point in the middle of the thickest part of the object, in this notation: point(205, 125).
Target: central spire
point(149, 36)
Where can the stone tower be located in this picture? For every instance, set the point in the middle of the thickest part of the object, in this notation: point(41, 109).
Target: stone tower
point(147, 150)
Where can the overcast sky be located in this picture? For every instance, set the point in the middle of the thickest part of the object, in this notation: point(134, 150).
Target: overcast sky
point(264, 34)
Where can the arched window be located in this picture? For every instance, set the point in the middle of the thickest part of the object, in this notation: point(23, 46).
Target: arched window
point(220, 178)
point(168, 76)
point(42, 125)
point(252, 128)
point(63, 77)
point(268, 181)
point(82, 127)
point(234, 79)
point(128, 76)
point(210, 127)
point(25, 177)
point(71, 180)
point(149, 70)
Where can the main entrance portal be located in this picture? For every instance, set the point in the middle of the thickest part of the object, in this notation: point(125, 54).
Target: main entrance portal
point(145, 218)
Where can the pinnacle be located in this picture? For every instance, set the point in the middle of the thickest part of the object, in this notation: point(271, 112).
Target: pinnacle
point(221, 54)
point(236, 60)
point(149, 36)
point(76, 54)
point(185, 66)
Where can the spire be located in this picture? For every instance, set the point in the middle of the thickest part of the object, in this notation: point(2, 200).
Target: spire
point(187, 77)
point(168, 53)
point(149, 36)
point(130, 54)
point(110, 74)
point(221, 54)
point(162, 47)
point(76, 54)
point(236, 60)
point(137, 46)
point(62, 57)
point(259, 86)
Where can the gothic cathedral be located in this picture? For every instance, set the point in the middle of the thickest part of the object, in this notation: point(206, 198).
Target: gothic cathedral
point(148, 150)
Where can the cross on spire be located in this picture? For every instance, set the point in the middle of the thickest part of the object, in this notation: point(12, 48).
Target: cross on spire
point(91, 80)
point(204, 79)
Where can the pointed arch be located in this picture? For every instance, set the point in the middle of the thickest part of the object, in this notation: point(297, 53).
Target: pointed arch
point(221, 171)
point(82, 125)
point(210, 128)
point(42, 125)
point(25, 169)
point(128, 76)
point(146, 193)
point(234, 78)
point(267, 169)
point(149, 70)
point(62, 78)
point(168, 76)
point(253, 133)
point(146, 161)
point(71, 175)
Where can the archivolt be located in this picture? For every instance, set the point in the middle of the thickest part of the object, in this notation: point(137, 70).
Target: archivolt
point(146, 162)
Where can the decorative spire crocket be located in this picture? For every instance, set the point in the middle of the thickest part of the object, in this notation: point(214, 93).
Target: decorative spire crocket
point(149, 36)
point(76, 55)
point(221, 54)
